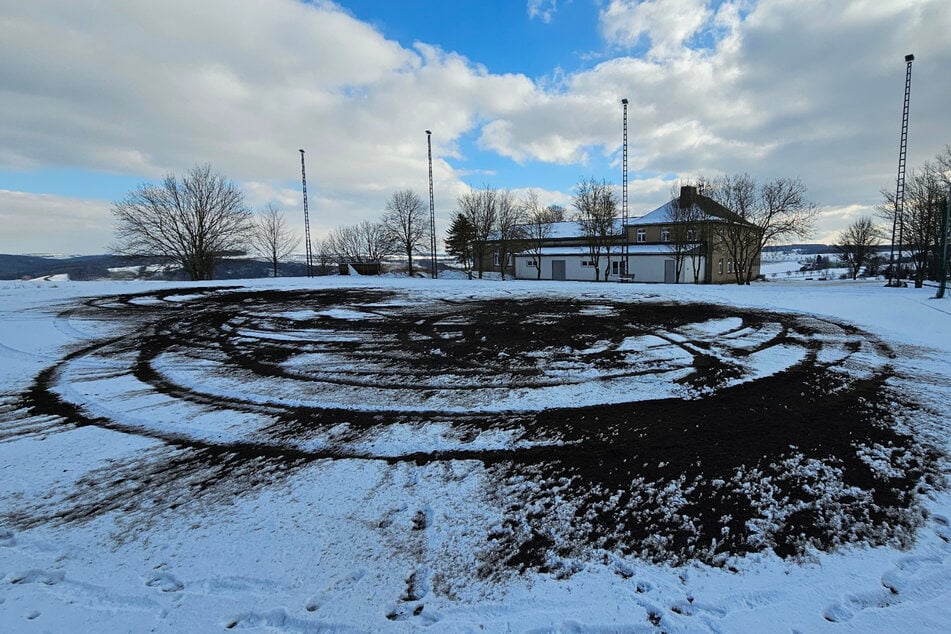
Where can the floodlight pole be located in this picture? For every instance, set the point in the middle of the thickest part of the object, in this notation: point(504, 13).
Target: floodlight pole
point(943, 266)
point(432, 206)
point(898, 221)
point(310, 254)
point(625, 250)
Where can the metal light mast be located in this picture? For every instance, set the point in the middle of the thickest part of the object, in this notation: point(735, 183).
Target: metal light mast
point(624, 215)
point(943, 268)
point(900, 187)
point(432, 205)
point(310, 255)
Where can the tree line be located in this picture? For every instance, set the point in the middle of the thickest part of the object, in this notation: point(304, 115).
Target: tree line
point(918, 227)
point(195, 220)
point(199, 218)
point(926, 189)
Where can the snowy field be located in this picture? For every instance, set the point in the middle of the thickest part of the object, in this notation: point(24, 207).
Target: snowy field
point(354, 454)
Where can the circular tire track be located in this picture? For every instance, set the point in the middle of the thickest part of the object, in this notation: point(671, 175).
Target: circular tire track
point(664, 431)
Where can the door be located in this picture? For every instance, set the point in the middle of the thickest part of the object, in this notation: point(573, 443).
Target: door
point(670, 271)
point(557, 269)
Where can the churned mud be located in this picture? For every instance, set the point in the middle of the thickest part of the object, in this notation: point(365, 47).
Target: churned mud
point(660, 431)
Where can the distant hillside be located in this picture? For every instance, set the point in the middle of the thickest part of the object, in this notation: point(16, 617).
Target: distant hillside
point(811, 248)
point(802, 249)
point(98, 267)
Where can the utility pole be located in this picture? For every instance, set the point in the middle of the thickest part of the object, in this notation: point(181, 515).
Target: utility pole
point(898, 221)
point(432, 206)
point(310, 254)
point(625, 251)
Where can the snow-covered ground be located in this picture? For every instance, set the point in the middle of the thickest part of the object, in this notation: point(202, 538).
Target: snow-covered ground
point(178, 504)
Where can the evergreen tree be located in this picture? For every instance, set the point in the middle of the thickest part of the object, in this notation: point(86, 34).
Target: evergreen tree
point(459, 240)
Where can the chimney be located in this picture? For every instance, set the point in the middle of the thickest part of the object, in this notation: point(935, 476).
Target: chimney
point(688, 196)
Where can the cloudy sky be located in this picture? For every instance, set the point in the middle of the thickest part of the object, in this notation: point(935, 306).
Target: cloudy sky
point(96, 98)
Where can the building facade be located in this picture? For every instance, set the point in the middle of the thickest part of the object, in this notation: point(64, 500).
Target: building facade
point(682, 241)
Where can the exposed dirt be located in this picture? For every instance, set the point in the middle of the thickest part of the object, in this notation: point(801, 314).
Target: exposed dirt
point(707, 457)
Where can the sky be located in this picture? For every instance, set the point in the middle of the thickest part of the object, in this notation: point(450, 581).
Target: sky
point(97, 98)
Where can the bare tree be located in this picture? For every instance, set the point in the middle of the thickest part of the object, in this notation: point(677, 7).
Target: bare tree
point(687, 233)
point(921, 219)
point(192, 221)
point(272, 238)
point(856, 244)
point(556, 213)
point(596, 205)
point(480, 209)
point(407, 222)
point(944, 166)
point(761, 214)
point(508, 226)
point(326, 255)
point(539, 225)
point(363, 243)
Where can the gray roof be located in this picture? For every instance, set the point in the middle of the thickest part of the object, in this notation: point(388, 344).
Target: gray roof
point(632, 249)
point(711, 210)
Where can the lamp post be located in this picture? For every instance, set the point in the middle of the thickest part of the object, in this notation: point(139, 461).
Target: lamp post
point(432, 206)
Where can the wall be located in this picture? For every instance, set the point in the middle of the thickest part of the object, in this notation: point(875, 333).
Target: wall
point(646, 268)
point(573, 269)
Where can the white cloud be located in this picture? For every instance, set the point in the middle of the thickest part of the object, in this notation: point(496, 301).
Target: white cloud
point(667, 24)
point(804, 89)
point(831, 221)
point(42, 223)
point(148, 88)
point(544, 10)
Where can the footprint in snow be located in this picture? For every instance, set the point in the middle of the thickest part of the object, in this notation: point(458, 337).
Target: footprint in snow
point(843, 611)
point(419, 613)
point(343, 584)
point(7, 538)
point(417, 585)
point(423, 519)
point(165, 582)
point(942, 528)
point(46, 577)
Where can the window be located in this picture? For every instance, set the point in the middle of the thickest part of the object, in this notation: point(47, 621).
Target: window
point(665, 234)
point(691, 234)
point(615, 268)
point(729, 265)
point(642, 235)
point(533, 263)
point(495, 258)
point(720, 266)
point(587, 262)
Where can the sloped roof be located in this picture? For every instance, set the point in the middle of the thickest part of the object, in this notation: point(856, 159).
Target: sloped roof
point(573, 229)
point(632, 249)
point(570, 229)
point(710, 208)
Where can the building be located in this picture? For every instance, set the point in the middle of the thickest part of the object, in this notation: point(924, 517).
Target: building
point(682, 241)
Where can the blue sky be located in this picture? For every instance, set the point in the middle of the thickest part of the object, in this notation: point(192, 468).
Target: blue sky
point(519, 94)
point(502, 36)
